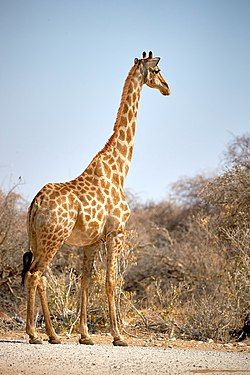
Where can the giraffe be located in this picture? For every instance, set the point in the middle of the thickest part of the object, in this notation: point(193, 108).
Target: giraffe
point(88, 210)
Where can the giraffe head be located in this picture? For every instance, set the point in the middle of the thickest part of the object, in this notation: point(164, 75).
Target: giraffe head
point(151, 73)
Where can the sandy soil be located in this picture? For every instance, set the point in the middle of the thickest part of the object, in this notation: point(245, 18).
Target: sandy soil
point(151, 355)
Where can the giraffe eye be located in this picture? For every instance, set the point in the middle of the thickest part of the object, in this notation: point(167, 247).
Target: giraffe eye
point(156, 71)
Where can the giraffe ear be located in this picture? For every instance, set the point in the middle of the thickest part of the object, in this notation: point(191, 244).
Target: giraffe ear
point(136, 60)
point(156, 59)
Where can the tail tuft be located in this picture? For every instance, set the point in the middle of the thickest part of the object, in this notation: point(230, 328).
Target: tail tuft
point(27, 260)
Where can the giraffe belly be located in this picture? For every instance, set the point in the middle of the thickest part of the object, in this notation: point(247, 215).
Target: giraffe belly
point(86, 232)
point(79, 238)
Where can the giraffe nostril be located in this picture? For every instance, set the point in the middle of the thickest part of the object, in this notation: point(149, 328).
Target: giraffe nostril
point(167, 87)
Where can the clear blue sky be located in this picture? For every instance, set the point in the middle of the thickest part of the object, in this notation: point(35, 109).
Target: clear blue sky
point(62, 69)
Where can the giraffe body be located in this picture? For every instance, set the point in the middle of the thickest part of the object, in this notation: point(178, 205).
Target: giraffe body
point(89, 209)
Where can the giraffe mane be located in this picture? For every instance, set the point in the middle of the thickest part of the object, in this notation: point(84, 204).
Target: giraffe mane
point(125, 94)
point(119, 113)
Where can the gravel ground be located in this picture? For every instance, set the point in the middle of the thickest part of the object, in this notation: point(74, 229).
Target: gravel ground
point(19, 358)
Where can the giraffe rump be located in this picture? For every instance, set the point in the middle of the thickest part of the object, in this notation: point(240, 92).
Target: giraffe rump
point(27, 260)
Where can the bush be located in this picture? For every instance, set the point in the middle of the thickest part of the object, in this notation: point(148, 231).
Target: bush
point(13, 241)
point(203, 233)
point(184, 270)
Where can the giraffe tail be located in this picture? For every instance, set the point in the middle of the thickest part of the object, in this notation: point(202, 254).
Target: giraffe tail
point(27, 260)
point(28, 256)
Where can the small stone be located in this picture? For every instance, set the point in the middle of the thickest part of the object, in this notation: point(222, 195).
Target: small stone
point(160, 336)
point(241, 344)
point(227, 345)
point(210, 341)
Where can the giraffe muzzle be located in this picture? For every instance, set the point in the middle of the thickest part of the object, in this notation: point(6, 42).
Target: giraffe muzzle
point(165, 90)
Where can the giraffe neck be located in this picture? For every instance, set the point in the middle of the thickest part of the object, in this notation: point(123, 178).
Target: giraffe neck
point(113, 161)
point(121, 143)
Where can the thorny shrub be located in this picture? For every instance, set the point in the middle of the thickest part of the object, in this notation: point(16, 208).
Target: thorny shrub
point(203, 233)
point(184, 270)
point(13, 241)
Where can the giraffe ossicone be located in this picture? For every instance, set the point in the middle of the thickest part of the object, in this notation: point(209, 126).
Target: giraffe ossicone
point(88, 210)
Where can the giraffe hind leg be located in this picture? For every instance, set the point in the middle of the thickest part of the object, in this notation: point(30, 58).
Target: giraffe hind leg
point(53, 338)
point(35, 281)
point(32, 281)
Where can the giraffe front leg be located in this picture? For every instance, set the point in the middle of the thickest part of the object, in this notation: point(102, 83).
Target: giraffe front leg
point(114, 246)
point(88, 260)
point(32, 281)
point(53, 338)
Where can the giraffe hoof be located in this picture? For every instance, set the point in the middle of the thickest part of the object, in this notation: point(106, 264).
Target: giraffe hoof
point(35, 340)
point(119, 343)
point(86, 341)
point(54, 340)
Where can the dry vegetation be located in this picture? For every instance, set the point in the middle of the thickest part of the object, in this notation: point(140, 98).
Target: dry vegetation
point(184, 271)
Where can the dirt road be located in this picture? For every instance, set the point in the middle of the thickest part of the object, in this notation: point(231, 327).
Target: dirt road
point(20, 358)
